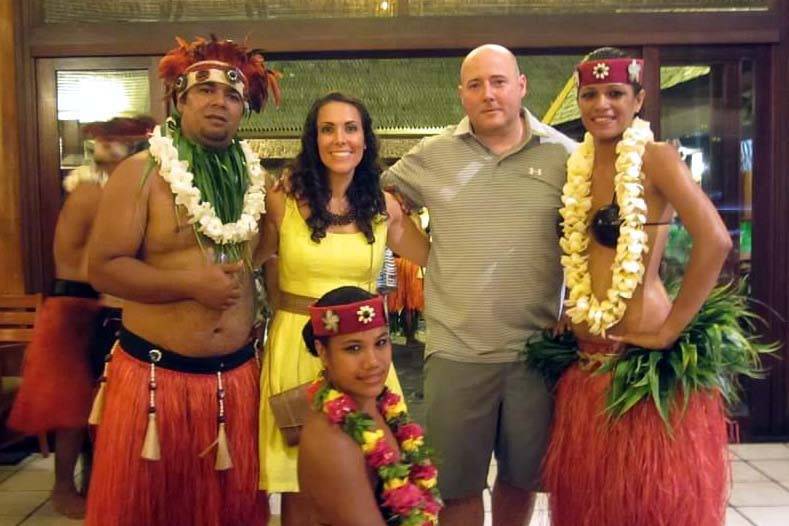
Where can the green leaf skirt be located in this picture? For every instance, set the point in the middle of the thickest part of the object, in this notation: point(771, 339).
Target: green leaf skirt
point(718, 346)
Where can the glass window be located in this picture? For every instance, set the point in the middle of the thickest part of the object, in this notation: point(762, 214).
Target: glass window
point(92, 96)
point(102, 11)
point(707, 112)
point(502, 7)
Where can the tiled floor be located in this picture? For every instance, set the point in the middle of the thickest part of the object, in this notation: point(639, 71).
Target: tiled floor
point(759, 496)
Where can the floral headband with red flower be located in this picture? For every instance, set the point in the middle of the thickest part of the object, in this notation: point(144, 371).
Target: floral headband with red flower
point(333, 320)
point(609, 71)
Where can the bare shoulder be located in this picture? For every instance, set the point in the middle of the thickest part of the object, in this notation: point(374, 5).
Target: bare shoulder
point(138, 170)
point(319, 436)
point(84, 194)
point(326, 451)
point(275, 202)
point(663, 164)
point(77, 214)
point(79, 207)
point(660, 152)
point(329, 459)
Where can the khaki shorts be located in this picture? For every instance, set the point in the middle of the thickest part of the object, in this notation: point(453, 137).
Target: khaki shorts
point(475, 409)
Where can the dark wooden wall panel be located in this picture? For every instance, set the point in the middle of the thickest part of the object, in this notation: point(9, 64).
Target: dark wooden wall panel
point(415, 33)
point(11, 274)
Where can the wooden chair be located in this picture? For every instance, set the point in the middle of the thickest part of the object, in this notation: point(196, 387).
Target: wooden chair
point(17, 318)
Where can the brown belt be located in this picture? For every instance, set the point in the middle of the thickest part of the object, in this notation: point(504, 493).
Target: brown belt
point(295, 303)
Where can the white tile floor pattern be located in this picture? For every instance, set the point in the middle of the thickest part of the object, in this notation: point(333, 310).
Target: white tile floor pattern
point(759, 494)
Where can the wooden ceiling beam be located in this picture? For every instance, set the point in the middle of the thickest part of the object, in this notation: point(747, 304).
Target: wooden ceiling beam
point(413, 34)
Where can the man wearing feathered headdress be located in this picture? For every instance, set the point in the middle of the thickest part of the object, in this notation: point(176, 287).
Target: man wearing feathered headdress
point(177, 404)
point(58, 378)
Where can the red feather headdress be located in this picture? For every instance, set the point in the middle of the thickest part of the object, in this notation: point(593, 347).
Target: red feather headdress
point(204, 55)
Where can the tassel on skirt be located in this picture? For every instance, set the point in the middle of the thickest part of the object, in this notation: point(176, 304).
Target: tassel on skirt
point(188, 484)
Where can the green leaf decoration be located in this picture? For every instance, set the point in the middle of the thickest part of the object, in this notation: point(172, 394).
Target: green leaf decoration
point(222, 178)
point(550, 355)
point(717, 347)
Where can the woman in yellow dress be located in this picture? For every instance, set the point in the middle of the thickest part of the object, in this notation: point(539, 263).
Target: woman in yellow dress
point(329, 223)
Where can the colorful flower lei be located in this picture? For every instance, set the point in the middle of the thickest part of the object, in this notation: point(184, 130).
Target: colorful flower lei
point(409, 494)
point(628, 267)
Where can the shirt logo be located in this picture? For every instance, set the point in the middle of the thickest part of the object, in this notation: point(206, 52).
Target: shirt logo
point(535, 171)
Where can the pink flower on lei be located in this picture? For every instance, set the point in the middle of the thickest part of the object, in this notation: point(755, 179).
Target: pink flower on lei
point(339, 408)
point(423, 472)
point(382, 455)
point(389, 399)
point(409, 431)
point(404, 499)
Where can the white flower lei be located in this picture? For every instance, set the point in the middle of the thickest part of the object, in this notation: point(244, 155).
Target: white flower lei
point(201, 213)
point(628, 267)
point(84, 174)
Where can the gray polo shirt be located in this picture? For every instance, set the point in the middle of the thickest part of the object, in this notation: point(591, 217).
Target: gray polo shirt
point(493, 276)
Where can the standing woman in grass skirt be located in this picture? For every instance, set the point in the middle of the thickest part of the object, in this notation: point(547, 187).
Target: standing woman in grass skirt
point(617, 457)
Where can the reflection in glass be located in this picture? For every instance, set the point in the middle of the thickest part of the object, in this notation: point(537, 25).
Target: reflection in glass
point(509, 7)
point(92, 96)
point(102, 11)
point(712, 128)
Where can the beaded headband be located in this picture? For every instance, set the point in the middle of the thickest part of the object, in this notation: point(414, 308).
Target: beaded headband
point(609, 71)
point(221, 61)
point(360, 316)
point(211, 71)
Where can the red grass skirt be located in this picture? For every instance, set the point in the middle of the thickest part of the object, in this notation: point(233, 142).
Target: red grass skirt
point(57, 383)
point(630, 472)
point(181, 487)
point(409, 293)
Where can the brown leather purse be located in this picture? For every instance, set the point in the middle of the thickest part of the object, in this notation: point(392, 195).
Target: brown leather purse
point(290, 408)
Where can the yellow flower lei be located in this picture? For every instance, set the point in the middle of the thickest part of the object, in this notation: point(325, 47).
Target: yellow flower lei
point(628, 267)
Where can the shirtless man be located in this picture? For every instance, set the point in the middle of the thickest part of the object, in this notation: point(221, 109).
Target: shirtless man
point(177, 441)
point(58, 381)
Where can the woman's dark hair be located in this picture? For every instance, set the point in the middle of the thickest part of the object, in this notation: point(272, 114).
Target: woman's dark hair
point(338, 296)
point(612, 52)
point(308, 179)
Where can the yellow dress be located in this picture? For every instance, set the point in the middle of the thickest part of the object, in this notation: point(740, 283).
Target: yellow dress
point(306, 268)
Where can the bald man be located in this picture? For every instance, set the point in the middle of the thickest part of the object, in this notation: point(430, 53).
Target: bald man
point(492, 185)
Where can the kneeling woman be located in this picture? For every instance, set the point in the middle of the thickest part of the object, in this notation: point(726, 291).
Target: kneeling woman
point(361, 458)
